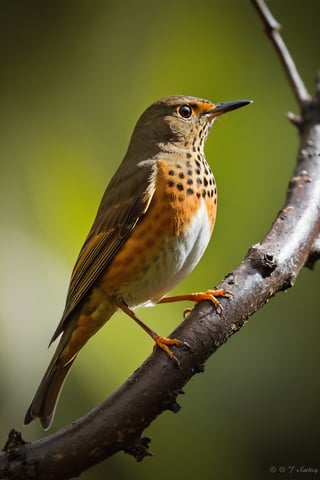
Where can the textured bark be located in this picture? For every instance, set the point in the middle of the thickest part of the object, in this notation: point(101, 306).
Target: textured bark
point(269, 267)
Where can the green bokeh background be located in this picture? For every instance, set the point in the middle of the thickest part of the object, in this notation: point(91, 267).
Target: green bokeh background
point(75, 76)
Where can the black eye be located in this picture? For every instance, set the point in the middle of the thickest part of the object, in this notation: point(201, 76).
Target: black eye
point(185, 111)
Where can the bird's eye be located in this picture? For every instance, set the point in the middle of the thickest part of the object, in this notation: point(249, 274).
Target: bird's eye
point(185, 111)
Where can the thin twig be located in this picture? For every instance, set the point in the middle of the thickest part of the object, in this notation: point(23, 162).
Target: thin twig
point(272, 28)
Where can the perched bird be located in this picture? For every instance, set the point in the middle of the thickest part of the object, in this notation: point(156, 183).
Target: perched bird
point(153, 224)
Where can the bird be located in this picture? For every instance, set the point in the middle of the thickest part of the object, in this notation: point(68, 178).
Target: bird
point(152, 227)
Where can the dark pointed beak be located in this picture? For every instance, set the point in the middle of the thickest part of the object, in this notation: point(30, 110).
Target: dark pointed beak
point(225, 107)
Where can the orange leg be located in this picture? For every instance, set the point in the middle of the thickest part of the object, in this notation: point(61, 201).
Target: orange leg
point(198, 297)
point(162, 342)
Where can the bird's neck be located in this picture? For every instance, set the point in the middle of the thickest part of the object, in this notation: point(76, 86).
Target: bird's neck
point(181, 148)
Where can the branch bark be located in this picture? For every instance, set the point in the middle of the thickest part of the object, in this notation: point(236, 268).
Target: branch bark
point(269, 267)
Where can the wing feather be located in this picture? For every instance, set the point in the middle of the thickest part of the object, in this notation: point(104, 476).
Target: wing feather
point(116, 217)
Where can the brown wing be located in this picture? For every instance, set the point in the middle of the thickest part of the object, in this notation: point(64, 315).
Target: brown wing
point(123, 203)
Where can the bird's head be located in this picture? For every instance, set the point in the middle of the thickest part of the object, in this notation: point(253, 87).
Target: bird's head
point(180, 121)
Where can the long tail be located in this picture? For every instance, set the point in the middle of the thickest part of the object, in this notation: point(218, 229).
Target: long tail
point(46, 397)
point(77, 331)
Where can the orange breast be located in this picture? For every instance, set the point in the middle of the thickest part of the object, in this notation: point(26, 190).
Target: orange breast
point(164, 245)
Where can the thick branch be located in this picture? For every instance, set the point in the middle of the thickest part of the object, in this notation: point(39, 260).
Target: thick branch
point(269, 267)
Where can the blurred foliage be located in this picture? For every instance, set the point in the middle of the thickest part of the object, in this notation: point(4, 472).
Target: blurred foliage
point(75, 76)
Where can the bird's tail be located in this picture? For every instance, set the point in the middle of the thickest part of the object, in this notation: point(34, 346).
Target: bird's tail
point(44, 403)
point(76, 330)
point(75, 334)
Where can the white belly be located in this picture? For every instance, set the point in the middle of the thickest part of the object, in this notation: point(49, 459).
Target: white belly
point(175, 261)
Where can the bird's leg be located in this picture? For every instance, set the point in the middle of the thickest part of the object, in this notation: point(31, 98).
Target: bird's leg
point(162, 342)
point(198, 297)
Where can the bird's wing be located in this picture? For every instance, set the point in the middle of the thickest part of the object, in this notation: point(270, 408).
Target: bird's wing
point(123, 204)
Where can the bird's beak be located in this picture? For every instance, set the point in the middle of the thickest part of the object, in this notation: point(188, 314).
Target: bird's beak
point(224, 107)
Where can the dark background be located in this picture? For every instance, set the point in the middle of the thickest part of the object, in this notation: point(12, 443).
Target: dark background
point(75, 76)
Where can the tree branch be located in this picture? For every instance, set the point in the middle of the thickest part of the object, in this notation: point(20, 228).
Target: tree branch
point(314, 255)
point(272, 28)
point(269, 267)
